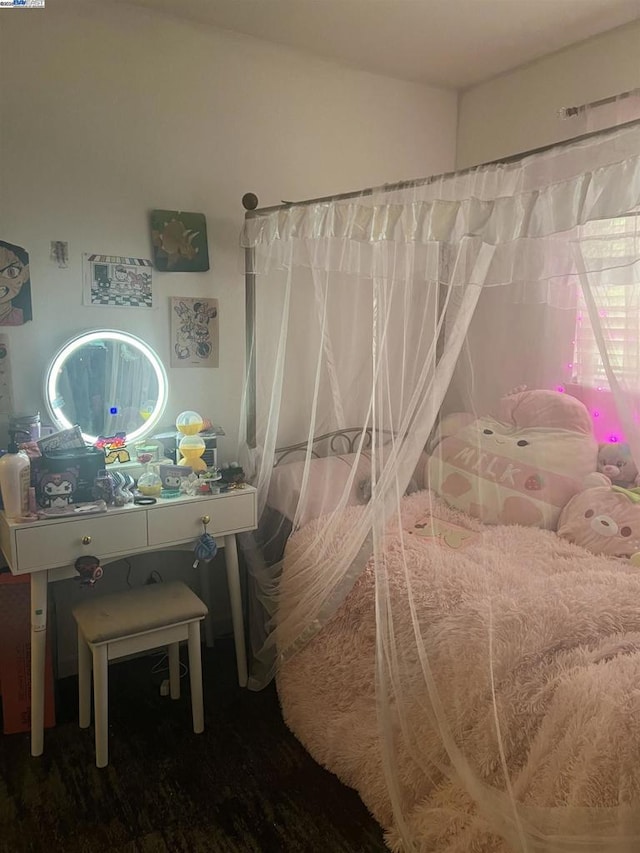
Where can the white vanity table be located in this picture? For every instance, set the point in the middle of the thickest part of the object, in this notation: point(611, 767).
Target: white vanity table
point(47, 550)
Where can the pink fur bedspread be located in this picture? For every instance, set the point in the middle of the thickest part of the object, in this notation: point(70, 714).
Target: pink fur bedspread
point(566, 669)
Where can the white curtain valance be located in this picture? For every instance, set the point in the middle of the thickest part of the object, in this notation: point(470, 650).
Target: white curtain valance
point(538, 199)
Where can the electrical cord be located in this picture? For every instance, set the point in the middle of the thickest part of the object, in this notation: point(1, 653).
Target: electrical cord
point(162, 665)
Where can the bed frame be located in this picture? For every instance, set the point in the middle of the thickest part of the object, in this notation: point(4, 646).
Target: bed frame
point(331, 444)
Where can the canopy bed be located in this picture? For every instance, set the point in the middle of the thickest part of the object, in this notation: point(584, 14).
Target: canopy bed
point(454, 625)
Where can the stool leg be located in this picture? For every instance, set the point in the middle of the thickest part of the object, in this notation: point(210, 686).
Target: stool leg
point(101, 704)
point(195, 677)
point(84, 681)
point(174, 670)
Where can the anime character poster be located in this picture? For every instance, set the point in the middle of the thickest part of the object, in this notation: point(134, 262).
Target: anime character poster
point(15, 285)
point(120, 282)
point(194, 332)
point(179, 241)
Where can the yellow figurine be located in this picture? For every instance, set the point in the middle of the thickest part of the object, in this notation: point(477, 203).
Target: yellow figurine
point(189, 423)
point(191, 446)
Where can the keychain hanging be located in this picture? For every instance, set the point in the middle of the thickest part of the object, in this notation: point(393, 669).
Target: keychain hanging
point(89, 569)
point(206, 546)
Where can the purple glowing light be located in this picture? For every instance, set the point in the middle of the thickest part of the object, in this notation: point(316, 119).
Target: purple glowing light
point(596, 414)
point(614, 439)
point(560, 389)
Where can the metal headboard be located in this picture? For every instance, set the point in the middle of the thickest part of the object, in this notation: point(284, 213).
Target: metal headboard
point(332, 444)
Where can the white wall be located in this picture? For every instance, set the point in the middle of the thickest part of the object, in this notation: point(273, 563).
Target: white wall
point(111, 111)
point(108, 112)
point(518, 111)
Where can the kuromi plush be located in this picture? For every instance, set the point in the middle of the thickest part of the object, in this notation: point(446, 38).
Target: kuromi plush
point(520, 467)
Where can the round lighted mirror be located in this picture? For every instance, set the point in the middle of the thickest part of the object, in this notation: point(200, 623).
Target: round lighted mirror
point(106, 382)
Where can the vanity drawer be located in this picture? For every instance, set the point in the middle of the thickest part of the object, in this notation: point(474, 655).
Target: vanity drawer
point(180, 523)
point(61, 544)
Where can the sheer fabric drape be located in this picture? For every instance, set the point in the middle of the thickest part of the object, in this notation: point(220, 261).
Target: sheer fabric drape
point(389, 314)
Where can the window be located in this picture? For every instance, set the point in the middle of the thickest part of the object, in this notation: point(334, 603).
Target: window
point(610, 247)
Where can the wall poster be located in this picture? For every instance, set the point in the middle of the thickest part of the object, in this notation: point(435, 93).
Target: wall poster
point(117, 281)
point(15, 285)
point(194, 332)
point(179, 241)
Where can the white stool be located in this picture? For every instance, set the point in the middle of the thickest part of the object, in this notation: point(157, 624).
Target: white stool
point(144, 618)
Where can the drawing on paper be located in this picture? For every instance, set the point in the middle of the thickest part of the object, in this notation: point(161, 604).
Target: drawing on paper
point(194, 332)
point(120, 282)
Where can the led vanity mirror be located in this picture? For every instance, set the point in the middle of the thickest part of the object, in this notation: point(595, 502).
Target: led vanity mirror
point(106, 382)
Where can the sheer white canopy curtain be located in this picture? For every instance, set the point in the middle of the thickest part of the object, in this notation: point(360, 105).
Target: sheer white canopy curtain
point(425, 627)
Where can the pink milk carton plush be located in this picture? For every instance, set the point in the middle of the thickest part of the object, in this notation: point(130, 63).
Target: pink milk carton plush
point(520, 467)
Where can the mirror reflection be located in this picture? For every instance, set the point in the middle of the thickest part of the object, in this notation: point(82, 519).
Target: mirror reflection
point(107, 382)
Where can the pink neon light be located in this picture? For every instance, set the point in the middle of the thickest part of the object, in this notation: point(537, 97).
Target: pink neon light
point(560, 388)
point(614, 439)
point(596, 414)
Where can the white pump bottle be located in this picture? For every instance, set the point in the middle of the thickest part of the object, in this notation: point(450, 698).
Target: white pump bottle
point(15, 473)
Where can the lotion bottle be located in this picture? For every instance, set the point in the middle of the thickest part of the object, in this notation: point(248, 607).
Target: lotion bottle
point(15, 474)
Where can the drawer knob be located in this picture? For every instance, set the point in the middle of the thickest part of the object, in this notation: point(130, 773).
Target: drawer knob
point(205, 519)
point(86, 540)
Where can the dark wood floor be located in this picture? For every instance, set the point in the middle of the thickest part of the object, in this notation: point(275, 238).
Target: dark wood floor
point(244, 786)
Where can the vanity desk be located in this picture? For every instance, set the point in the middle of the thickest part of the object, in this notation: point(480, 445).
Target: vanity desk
point(47, 550)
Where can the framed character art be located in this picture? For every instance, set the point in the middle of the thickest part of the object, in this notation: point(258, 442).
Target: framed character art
point(194, 332)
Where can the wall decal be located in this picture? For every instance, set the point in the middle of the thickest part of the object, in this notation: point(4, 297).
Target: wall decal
point(179, 241)
point(117, 281)
point(15, 285)
point(194, 332)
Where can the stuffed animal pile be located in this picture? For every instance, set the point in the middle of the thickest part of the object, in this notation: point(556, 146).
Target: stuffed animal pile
point(536, 463)
point(521, 466)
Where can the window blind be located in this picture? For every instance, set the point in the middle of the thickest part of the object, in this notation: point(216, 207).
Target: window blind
point(611, 244)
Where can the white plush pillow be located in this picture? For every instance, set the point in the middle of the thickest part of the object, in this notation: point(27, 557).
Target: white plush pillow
point(328, 479)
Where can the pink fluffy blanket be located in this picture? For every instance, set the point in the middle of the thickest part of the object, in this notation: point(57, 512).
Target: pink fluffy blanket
point(562, 629)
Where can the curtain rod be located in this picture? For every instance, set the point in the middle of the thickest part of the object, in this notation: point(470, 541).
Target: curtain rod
point(570, 112)
point(250, 200)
